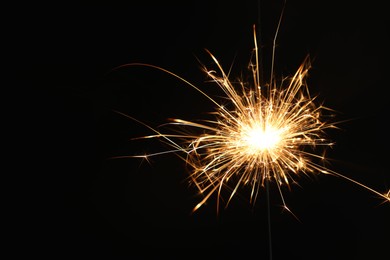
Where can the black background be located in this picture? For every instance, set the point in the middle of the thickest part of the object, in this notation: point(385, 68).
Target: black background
point(76, 201)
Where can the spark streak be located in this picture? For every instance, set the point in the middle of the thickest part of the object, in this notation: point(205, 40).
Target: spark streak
point(269, 133)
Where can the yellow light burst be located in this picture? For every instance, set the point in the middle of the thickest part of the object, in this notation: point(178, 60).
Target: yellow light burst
point(272, 133)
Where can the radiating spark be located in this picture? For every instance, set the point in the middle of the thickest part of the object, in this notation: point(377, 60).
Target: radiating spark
point(265, 133)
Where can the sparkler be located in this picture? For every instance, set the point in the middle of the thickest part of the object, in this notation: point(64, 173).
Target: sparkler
point(272, 133)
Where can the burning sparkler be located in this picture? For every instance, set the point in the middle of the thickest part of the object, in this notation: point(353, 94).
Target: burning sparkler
point(268, 133)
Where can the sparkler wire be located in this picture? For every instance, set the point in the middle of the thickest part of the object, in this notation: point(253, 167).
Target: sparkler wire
point(259, 61)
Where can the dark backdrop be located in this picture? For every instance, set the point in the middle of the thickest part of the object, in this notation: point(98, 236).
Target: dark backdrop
point(76, 201)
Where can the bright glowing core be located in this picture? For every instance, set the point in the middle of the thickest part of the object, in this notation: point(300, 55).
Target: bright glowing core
point(260, 139)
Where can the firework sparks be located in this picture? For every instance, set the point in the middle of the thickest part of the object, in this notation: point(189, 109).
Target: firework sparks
point(271, 133)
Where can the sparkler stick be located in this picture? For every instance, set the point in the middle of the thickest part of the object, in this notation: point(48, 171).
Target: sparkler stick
point(265, 133)
point(271, 78)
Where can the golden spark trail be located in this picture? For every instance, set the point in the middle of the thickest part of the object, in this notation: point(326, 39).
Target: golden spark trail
point(265, 133)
